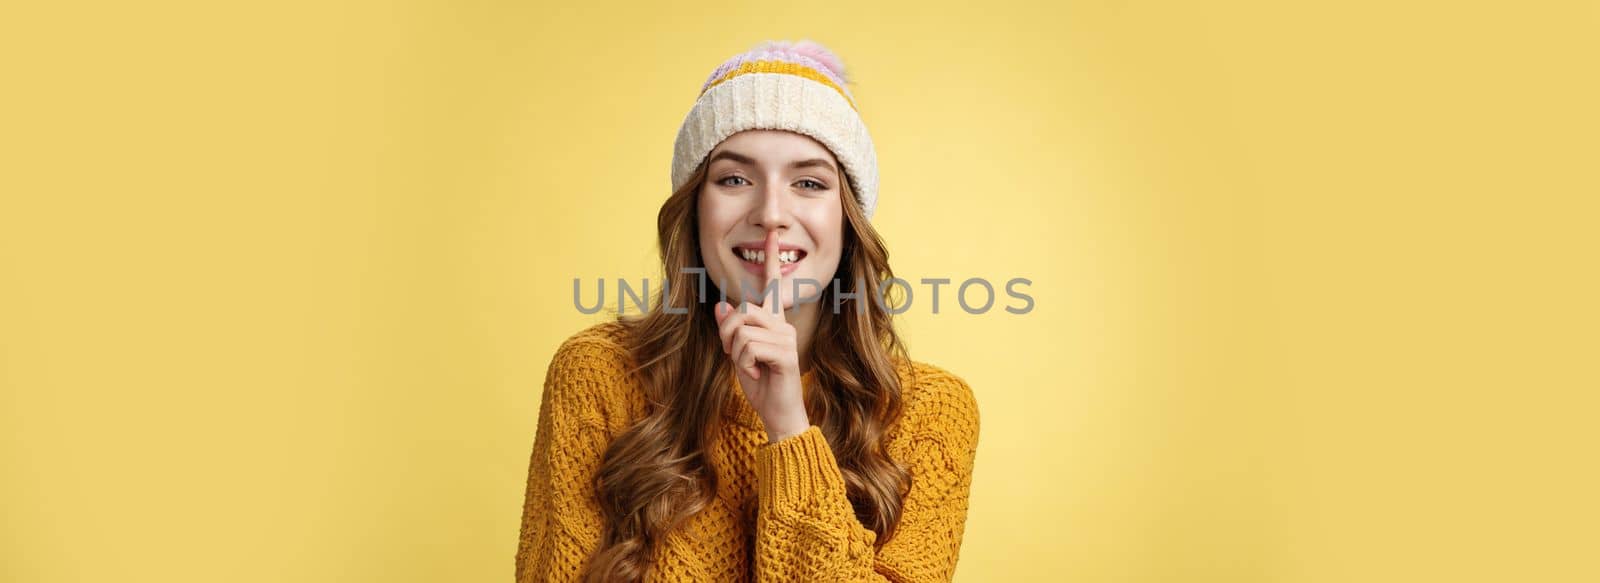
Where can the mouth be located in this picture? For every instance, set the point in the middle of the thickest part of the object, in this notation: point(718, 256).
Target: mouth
point(759, 256)
point(754, 257)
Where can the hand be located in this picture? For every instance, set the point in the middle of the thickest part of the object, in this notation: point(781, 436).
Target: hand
point(766, 356)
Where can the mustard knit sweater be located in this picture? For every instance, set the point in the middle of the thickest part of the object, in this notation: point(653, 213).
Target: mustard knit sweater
point(800, 525)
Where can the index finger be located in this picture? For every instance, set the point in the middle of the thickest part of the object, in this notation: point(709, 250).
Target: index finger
point(774, 273)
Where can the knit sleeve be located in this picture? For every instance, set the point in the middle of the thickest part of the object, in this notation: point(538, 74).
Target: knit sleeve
point(561, 521)
point(807, 529)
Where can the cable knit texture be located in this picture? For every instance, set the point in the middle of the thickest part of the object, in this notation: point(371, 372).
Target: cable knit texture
point(781, 512)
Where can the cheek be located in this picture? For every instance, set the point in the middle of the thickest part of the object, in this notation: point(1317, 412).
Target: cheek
point(710, 241)
point(716, 216)
point(713, 226)
point(826, 227)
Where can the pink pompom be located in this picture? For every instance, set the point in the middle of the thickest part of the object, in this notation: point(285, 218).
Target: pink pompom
point(811, 50)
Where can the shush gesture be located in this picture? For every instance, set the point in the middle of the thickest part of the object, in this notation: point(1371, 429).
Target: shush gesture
point(765, 353)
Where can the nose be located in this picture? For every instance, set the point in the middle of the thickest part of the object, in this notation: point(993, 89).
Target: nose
point(772, 213)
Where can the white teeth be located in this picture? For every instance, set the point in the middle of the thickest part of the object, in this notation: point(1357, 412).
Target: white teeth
point(760, 256)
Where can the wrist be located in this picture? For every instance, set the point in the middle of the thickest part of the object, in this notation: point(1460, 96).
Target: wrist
point(781, 430)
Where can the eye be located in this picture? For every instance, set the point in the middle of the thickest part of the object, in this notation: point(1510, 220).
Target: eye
point(819, 185)
point(724, 181)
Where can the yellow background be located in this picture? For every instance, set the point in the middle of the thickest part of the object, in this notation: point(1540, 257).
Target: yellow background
point(1315, 284)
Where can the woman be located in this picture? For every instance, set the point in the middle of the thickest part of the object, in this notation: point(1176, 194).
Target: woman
point(711, 440)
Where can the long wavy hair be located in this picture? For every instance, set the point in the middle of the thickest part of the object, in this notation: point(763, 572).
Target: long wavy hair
point(657, 473)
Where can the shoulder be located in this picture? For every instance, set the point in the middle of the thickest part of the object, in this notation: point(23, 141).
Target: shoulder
point(599, 345)
point(937, 401)
point(591, 375)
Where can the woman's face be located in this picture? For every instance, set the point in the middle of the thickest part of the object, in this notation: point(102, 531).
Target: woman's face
point(758, 180)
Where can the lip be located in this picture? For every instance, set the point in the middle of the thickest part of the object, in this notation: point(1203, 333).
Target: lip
point(762, 244)
point(761, 270)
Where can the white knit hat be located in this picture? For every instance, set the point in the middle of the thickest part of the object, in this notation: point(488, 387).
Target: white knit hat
point(799, 87)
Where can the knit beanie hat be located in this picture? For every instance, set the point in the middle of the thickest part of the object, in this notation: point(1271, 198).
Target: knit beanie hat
point(799, 87)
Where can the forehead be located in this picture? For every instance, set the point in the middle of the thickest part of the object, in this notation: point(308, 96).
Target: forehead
point(773, 146)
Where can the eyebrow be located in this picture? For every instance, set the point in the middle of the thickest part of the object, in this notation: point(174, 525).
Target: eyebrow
point(743, 159)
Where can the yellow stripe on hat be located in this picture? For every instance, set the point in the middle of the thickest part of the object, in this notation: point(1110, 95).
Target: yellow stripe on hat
point(786, 68)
